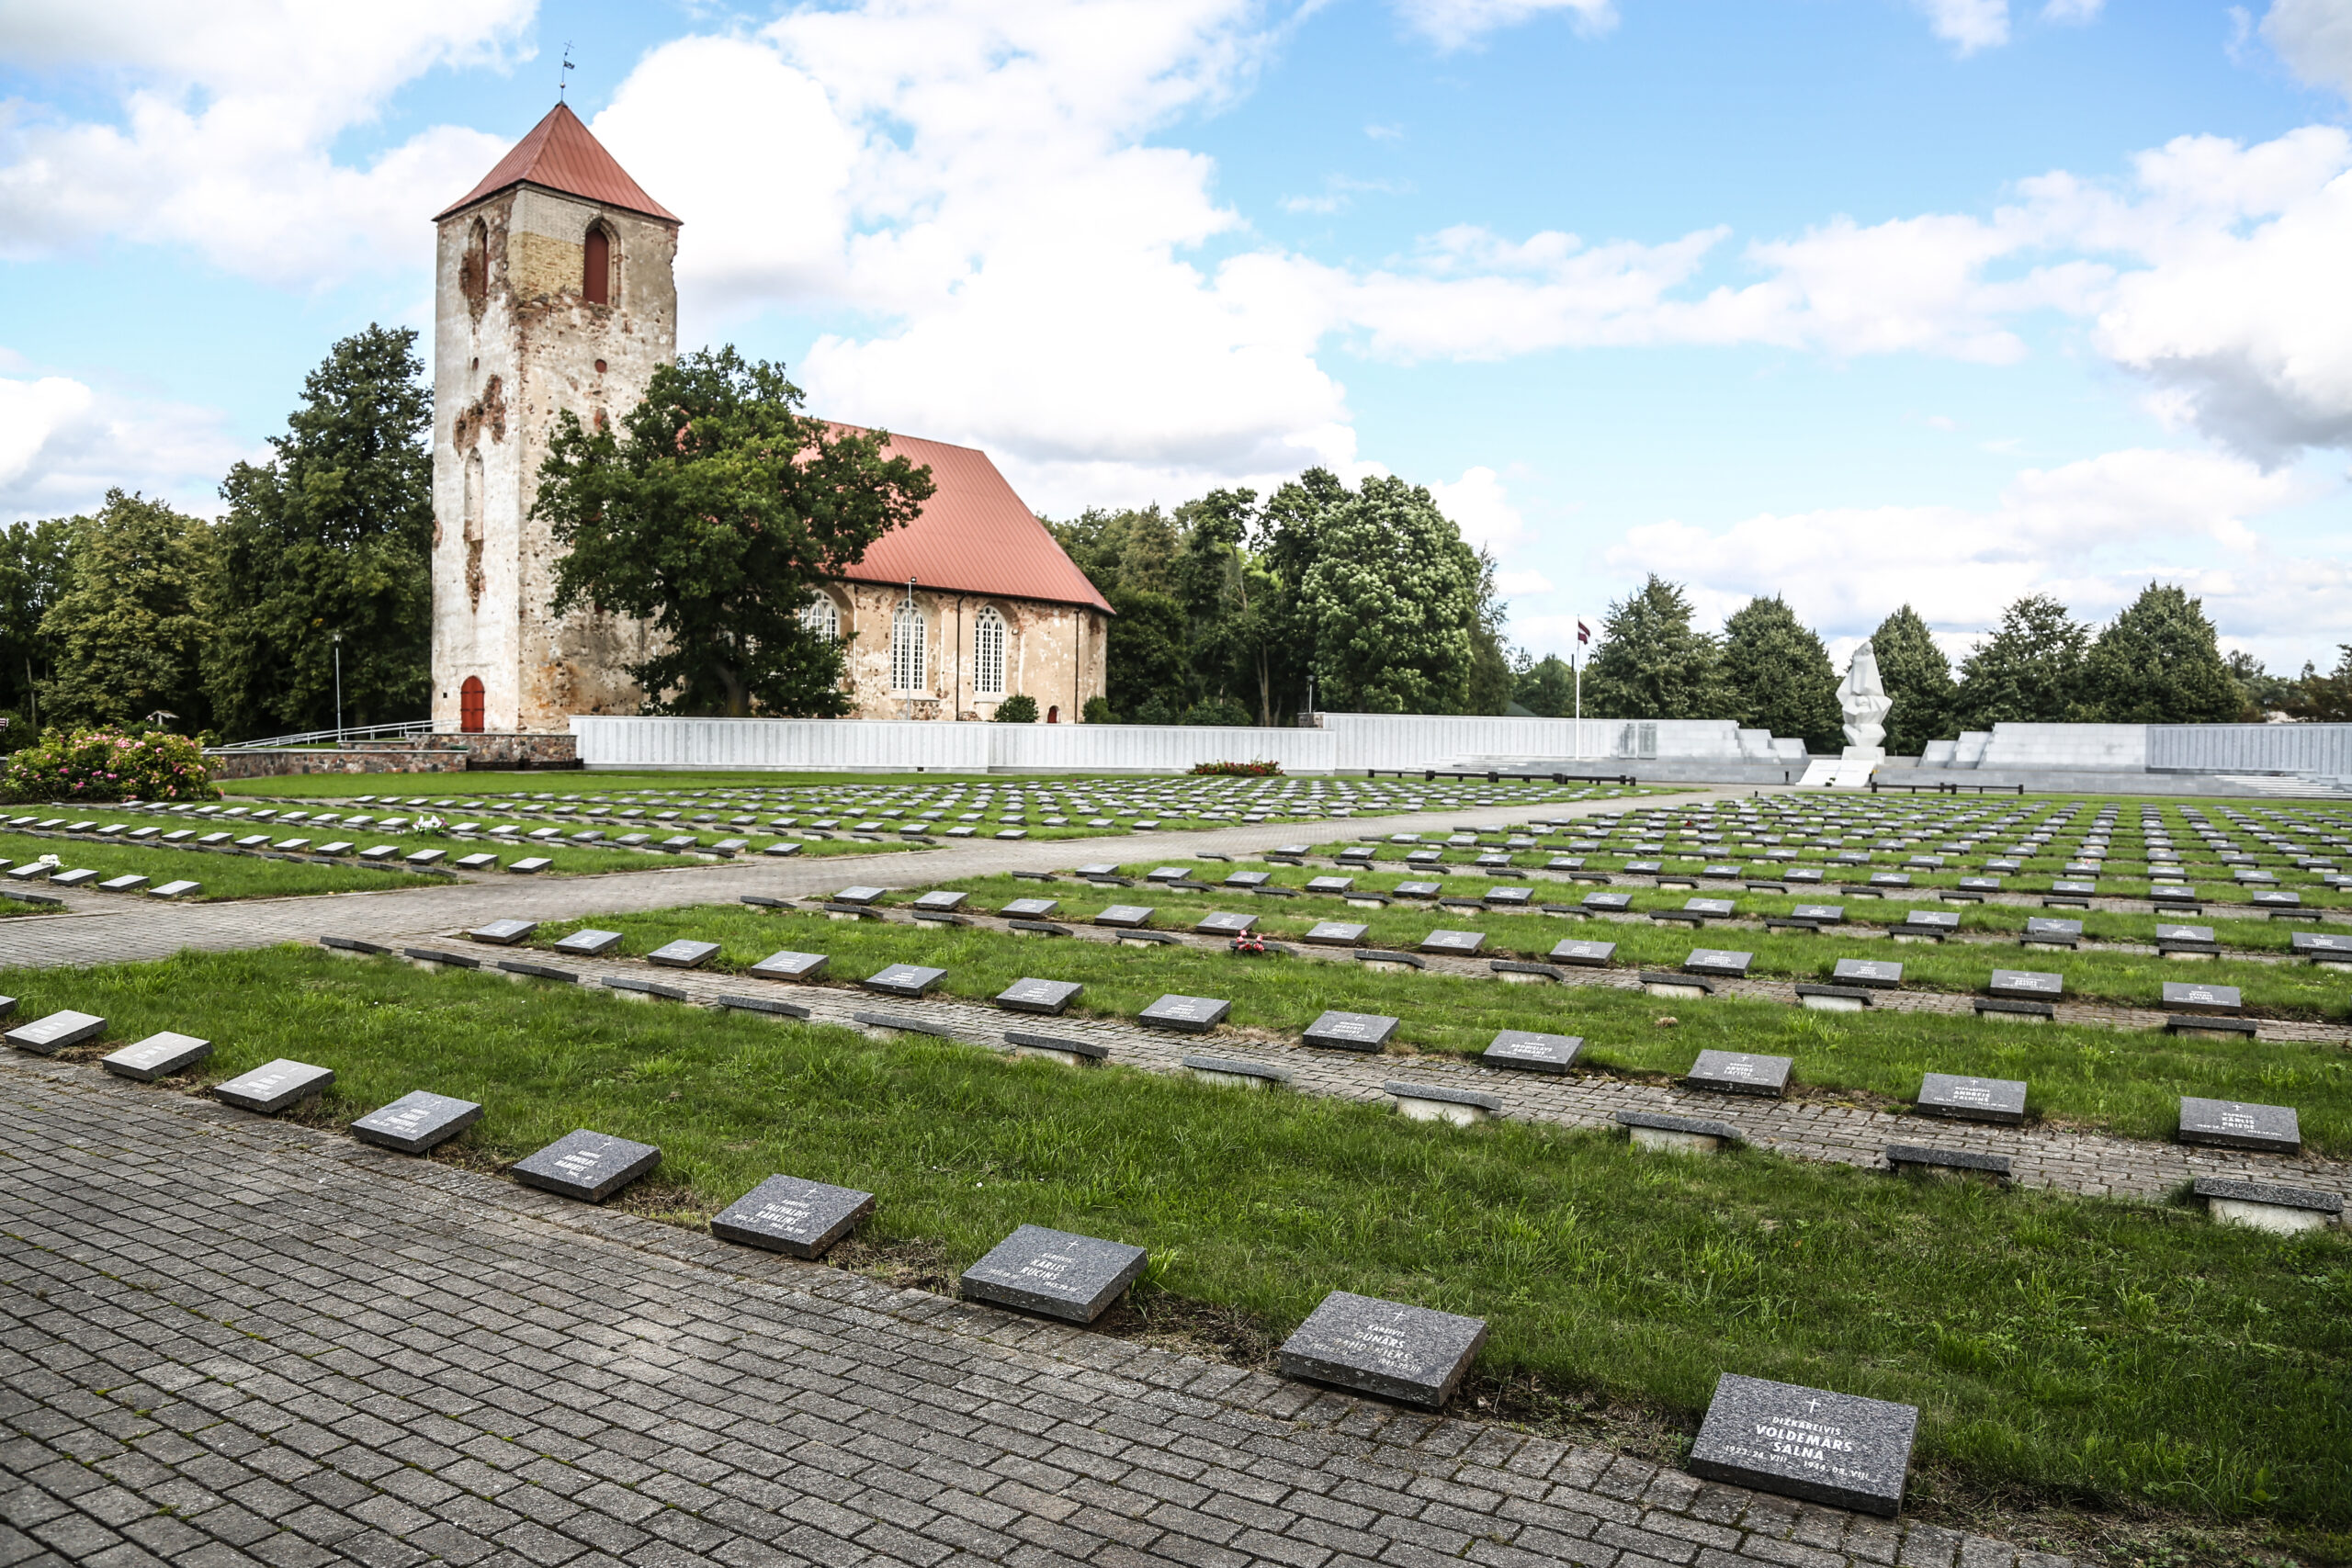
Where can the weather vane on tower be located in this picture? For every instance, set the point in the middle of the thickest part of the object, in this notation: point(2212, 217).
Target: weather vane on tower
point(563, 77)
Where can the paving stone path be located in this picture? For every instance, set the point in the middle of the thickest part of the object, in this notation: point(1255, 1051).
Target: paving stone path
point(225, 1340)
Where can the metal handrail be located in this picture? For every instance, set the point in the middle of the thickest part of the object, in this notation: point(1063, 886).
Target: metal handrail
point(350, 732)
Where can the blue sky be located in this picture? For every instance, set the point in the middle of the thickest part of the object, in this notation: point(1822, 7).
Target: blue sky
point(1859, 302)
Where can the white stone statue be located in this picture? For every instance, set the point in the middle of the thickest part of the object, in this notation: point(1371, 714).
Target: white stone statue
point(1865, 704)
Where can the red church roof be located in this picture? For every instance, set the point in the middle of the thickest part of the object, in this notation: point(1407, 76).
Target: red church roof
point(973, 536)
point(561, 155)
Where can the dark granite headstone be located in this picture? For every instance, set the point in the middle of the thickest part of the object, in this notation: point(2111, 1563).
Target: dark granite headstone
point(1739, 1072)
point(1125, 916)
point(1049, 997)
point(180, 889)
point(2000, 1100)
point(683, 954)
point(1873, 974)
point(904, 980)
point(790, 965)
point(1185, 1015)
point(2231, 1124)
point(1406, 1353)
point(1329, 883)
point(2025, 986)
point(784, 1214)
point(1835, 1448)
point(589, 944)
point(1584, 954)
point(1351, 1031)
point(2185, 996)
point(1718, 962)
point(416, 1121)
point(1071, 1276)
point(1456, 944)
point(157, 1056)
point(1534, 1053)
point(47, 1036)
point(943, 900)
point(858, 895)
point(274, 1086)
point(1222, 923)
point(504, 933)
point(588, 1166)
point(1336, 933)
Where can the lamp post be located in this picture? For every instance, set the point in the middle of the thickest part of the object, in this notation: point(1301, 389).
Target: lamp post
point(338, 688)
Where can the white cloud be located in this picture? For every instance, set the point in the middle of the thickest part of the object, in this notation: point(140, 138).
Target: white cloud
point(63, 445)
point(1452, 24)
point(1478, 505)
point(227, 113)
point(2314, 38)
point(1511, 584)
point(1969, 25)
point(2092, 532)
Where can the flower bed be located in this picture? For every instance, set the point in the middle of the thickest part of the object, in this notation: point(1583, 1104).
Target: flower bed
point(106, 764)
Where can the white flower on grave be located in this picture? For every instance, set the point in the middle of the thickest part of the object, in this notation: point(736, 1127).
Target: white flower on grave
point(49, 860)
point(427, 824)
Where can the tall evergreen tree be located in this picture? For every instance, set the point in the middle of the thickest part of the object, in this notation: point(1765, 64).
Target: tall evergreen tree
point(1146, 652)
point(1650, 664)
point(2029, 671)
point(1780, 675)
point(1547, 688)
point(32, 575)
point(2159, 663)
point(333, 535)
point(130, 625)
point(1918, 677)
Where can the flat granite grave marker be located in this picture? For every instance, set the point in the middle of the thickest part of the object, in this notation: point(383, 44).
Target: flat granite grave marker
point(1410, 1354)
point(1739, 1072)
point(274, 1086)
point(1229, 1073)
point(589, 944)
point(157, 1056)
point(943, 901)
point(683, 954)
point(1835, 1449)
point(784, 1214)
point(131, 882)
point(1125, 916)
point(47, 1035)
point(1718, 962)
point(1456, 944)
point(1676, 1135)
point(2232, 1124)
point(1031, 995)
point(1335, 934)
point(1529, 1052)
point(2025, 986)
point(1365, 1032)
point(1221, 923)
point(1185, 1015)
point(416, 1121)
point(1872, 974)
point(503, 933)
point(588, 1166)
point(2267, 1205)
point(790, 965)
point(1968, 1098)
point(904, 980)
point(1436, 1102)
point(177, 890)
point(1030, 909)
point(2187, 997)
point(1075, 1278)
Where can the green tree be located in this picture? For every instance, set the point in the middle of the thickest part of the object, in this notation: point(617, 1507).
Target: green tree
point(1780, 675)
point(2325, 699)
point(2029, 671)
point(1018, 708)
point(1393, 600)
point(2259, 691)
point(2159, 663)
point(130, 625)
point(1145, 652)
point(1134, 549)
point(1547, 688)
point(1488, 687)
point(332, 536)
point(1651, 664)
point(1918, 677)
point(713, 512)
point(32, 575)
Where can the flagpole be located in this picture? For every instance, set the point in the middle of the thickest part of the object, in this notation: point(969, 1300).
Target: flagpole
point(1579, 651)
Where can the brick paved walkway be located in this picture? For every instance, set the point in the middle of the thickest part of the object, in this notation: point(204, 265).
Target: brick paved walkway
point(225, 1340)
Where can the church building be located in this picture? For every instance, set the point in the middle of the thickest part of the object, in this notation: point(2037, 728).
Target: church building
point(555, 290)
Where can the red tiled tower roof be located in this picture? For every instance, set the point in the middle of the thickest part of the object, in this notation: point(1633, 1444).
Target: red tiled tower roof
point(975, 536)
point(561, 155)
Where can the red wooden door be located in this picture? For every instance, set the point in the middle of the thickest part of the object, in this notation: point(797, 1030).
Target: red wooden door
point(469, 706)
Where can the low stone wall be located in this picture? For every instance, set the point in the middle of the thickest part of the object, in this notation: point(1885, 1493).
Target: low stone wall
point(428, 754)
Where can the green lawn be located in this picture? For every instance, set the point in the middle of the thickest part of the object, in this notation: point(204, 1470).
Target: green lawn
point(2126, 1081)
point(224, 876)
point(2062, 1349)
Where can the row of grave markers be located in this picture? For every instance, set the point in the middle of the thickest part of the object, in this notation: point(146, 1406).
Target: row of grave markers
point(1838, 1448)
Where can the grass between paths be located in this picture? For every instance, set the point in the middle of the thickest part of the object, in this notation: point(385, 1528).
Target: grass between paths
point(224, 876)
point(2063, 1351)
point(2124, 1081)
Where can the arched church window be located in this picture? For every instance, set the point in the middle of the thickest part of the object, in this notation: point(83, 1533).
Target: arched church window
point(596, 281)
point(473, 269)
point(469, 706)
point(906, 649)
point(987, 653)
point(821, 615)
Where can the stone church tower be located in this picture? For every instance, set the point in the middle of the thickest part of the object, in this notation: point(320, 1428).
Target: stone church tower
point(553, 292)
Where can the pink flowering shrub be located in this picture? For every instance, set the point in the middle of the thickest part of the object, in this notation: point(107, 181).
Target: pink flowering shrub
point(106, 764)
